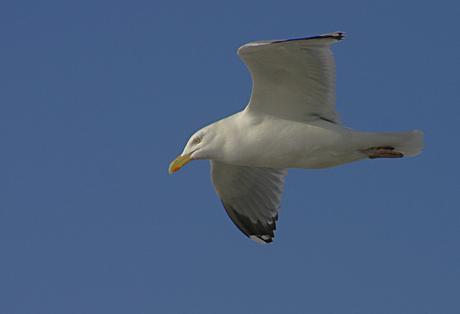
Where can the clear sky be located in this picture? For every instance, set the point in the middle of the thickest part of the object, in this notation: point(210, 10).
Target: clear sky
point(98, 97)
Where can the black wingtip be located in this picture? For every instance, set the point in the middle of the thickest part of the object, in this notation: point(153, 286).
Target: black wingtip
point(336, 35)
point(255, 231)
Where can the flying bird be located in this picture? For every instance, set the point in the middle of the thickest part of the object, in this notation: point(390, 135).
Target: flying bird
point(290, 122)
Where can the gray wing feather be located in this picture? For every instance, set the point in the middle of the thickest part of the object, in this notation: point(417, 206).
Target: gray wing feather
point(293, 79)
point(251, 196)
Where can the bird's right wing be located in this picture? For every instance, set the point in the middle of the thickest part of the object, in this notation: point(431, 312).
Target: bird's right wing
point(293, 79)
point(251, 196)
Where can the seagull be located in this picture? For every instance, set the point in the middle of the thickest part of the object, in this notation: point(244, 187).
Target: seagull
point(290, 122)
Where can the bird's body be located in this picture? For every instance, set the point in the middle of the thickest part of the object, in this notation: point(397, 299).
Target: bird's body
point(261, 140)
point(290, 122)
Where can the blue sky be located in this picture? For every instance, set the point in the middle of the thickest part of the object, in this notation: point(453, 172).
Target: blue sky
point(98, 97)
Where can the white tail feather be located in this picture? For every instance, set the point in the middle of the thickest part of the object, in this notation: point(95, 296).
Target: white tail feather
point(408, 143)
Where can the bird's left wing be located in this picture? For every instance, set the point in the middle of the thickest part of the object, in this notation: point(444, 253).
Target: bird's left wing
point(293, 79)
point(251, 196)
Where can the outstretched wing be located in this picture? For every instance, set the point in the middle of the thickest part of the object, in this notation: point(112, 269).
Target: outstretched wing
point(251, 196)
point(293, 79)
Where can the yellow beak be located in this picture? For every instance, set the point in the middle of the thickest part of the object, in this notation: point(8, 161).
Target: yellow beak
point(178, 163)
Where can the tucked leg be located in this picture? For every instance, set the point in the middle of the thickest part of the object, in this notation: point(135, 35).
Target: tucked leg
point(381, 152)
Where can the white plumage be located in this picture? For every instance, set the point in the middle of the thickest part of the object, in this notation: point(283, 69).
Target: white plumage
point(290, 122)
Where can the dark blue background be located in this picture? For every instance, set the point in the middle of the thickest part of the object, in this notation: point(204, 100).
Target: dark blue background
point(98, 97)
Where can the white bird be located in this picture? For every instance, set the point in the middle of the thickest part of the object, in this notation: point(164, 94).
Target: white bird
point(290, 122)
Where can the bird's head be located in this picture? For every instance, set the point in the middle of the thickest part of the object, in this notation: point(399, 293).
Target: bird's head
point(199, 146)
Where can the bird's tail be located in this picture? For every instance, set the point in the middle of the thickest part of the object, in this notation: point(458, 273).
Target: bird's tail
point(408, 143)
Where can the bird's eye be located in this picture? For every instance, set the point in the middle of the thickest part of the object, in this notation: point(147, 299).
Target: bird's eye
point(197, 140)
